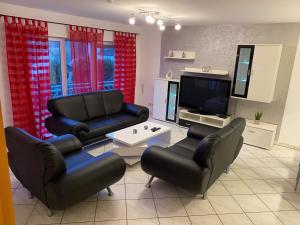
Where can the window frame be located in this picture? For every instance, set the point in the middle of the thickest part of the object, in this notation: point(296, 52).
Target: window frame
point(63, 63)
point(63, 59)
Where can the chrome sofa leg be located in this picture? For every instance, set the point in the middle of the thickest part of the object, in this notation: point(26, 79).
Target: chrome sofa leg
point(204, 196)
point(148, 185)
point(297, 179)
point(49, 212)
point(110, 193)
point(227, 169)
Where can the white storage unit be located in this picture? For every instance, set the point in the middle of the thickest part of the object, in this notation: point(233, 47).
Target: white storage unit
point(256, 72)
point(187, 118)
point(165, 99)
point(261, 135)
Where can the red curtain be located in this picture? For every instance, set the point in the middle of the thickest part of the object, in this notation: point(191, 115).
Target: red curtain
point(87, 58)
point(125, 64)
point(29, 72)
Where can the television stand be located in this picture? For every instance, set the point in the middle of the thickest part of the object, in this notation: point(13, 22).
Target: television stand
point(187, 118)
point(195, 111)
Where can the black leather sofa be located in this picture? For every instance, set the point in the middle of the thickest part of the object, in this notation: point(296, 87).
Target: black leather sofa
point(89, 116)
point(197, 161)
point(57, 171)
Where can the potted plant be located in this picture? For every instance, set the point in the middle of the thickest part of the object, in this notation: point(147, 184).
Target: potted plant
point(258, 116)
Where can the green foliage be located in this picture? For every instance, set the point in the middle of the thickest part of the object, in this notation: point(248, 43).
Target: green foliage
point(258, 115)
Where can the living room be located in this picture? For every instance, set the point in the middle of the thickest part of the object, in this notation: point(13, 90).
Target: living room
point(155, 112)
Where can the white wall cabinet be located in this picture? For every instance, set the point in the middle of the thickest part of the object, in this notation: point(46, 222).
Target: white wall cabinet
point(165, 99)
point(256, 72)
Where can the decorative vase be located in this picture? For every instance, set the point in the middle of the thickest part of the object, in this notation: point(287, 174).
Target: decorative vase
point(257, 122)
point(169, 75)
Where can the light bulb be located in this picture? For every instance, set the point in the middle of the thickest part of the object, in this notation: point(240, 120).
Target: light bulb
point(131, 21)
point(159, 22)
point(150, 19)
point(177, 26)
point(162, 27)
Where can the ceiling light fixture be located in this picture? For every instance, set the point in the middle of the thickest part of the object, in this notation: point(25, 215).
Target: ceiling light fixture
point(162, 27)
point(150, 19)
point(131, 20)
point(159, 22)
point(152, 16)
point(177, 26)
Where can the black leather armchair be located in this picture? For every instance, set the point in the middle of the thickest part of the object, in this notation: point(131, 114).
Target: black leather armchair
point(90, 116)
point(197, 161)
point(57, 171)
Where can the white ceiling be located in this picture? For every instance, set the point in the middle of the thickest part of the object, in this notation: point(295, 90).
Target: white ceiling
point(188, 12)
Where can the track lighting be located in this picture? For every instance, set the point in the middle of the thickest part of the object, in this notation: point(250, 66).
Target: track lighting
point(159, 22)
point(150, 19)
point(162, 27)
point(131, 20)
point(177, 26)
point(153, 17)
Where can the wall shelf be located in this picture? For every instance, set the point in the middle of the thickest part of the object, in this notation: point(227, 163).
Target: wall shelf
point(188, 55)
point(200, 70)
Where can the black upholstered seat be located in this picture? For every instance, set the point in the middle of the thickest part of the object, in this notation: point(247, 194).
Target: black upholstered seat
point(57, 171)
point(89, 116)
point(197, 161)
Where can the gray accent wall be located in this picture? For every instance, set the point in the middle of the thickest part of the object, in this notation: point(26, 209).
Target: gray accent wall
point(216, 46)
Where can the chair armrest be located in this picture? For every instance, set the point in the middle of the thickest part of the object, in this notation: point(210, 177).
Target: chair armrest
point(66, 143)
point(62, 125)
point(136, 110)
point(85, 179)
point(200, 131)
point(161, 162)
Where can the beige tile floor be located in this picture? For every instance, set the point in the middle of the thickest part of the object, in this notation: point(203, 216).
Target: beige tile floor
point(258, 190)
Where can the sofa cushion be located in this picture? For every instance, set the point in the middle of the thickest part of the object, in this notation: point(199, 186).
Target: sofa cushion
point(72, 107)
point(102, 126)
point(184, 152)
point(189, 143)
point(113, 101)
point(94, 104)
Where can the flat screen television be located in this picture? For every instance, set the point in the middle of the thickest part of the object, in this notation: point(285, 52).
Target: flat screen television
point(204, 95)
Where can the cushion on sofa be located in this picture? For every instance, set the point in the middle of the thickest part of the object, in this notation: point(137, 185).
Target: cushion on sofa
point(94, 105)
point(72, 107)
point(189, 143)
point(113, 101)
point(102, 126)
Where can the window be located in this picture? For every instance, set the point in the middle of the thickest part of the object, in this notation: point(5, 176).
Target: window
point(109, 64)
point(55, 68)
point(61, 66)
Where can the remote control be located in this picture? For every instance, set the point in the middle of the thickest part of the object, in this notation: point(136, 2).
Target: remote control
point(154, 129)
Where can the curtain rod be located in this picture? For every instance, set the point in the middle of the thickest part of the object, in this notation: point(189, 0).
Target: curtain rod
point(66, 24)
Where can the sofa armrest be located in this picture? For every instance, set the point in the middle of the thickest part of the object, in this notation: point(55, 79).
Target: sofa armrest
point(59, 125)
point(66, 143)
point(85, 179)
point(136, 110)
point(161, 162)
point(200, 131)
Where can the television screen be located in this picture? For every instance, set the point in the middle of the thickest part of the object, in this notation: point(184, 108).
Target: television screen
point(205, 95)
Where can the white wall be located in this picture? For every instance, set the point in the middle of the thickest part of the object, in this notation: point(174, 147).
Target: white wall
point(289, 133)
point(148, 65)
point(148, 49)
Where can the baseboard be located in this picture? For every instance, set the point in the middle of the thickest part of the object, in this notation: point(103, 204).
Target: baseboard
point(288, 146)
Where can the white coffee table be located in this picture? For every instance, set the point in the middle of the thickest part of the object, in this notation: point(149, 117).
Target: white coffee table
point(131, 146)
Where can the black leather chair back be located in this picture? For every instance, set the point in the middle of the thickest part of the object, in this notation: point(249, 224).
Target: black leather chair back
point(33, 161)
point(218, 150)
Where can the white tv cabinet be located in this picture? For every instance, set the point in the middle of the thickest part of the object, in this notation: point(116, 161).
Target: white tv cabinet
point(187, 118)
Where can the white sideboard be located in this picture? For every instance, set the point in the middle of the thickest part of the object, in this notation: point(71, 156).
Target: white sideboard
point(261, 135)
